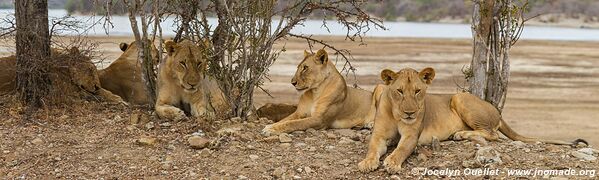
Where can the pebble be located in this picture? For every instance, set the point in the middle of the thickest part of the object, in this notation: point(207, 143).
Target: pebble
point(395, 177)
point(285, 138)
point(134, 118)
point(149, 125)
point(308, 170)
point(526, 149)
point(147, 141)
point(37, 141)
point(297, 177)
point(346, 132)
point(300, 144)
point(518, 144)
point(312, 131)
point(254, 157)
point(436, 144)
point(6, 151)
point(285, 145)
point(588, 151)
point(331, 135)
point(583, 156)
point(271, 139)
point(278, 172)
point(229, 131)
point(487, 155)
point(198, 142)
point(236, 119)
point(421, 157)
point(240, 177)
point(345, 140)
point(165, 124)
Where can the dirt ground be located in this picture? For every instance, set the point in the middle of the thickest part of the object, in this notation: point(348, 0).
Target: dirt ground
point(553, 93)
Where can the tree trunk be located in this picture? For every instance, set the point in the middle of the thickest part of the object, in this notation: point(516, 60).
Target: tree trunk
point(482, 21)
point(33, 51)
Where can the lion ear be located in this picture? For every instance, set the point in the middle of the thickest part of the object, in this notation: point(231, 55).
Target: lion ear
point(388, 76)
point(170, 46)
point(123, 46)
point(427, 75)
point(322, 56)
point(306, 53)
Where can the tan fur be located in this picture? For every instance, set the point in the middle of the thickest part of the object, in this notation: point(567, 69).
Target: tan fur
point(275, 112)
point(326, 101)
point(416, 118)
point(80, 69)
point(182, 82)
point(123, 76)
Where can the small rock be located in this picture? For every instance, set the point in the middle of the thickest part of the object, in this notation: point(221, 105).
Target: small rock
point(6, 151)
point(436, 144)
point(345, 140)
point(297, 177)
point(329, 147)
point(254, 157)
point(236, 119)
point(37, 141)
point(518, 144)
point(346, 132)
point(134, 118)
point(229, 131)
point(308, 170)
point(487, 155)
point(285, 145)
point(171, 147)
point(421, 157)
point(300, 144)
point(552, 148)
point(588, 151)
point(526, 149)
point(241, 177)
point(165, 124)
point(149, 125)
point(147, 141)
point(299, 170)
point(312, 149)
point(395, 177)
point(198, 142)
point(312, 131)
point(331, 135)
point(278, 172)
point(271, 139)
point(198, 133)
point(583, 156)
point(284, 138)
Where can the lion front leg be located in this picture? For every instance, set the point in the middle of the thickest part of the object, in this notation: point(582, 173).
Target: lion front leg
point(165, 109)
point(405, 147)
point(294, 125)
point(201, 109)
point(383, 132)
point(109, 96)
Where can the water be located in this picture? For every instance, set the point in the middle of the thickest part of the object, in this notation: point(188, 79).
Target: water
point(122, 27)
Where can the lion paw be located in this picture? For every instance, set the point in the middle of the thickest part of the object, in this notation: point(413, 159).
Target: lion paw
point(269, 130)
point(458, 136)
point(391, 165)
point(174, 114)
point(368, 165)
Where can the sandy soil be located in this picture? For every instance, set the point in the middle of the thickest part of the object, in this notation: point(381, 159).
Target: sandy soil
point(554, 93)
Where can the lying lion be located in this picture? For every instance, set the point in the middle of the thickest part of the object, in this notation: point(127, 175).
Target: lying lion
point(71, 73)
point(183, 85)
point(406, 111)
point(326, 101)
point(123, 76)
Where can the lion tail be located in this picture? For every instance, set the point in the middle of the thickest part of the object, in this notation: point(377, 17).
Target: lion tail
point(510, 133)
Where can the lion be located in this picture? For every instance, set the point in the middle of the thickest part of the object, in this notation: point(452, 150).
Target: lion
point(123, 76)
point(405, 110)
point(326, 101)
point(183, 85)
point(70, 69)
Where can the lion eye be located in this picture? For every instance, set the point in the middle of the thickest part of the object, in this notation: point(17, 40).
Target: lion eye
point(182, 64)
point(400, 91)
point(305, 67)
point(417, 91)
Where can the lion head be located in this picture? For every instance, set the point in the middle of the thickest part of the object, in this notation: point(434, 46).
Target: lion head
point(188, 63)
point(311, 71)
point(406, 91)
point(80, 69)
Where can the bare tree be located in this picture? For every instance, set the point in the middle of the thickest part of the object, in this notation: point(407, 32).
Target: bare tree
point(33, 51)
point(240, 46)
point(496, 27)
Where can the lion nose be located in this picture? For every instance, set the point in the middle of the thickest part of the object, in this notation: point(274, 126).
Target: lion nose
point(293, 83)
point(409, 113)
